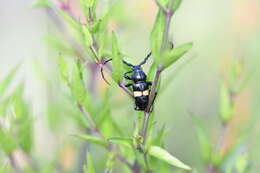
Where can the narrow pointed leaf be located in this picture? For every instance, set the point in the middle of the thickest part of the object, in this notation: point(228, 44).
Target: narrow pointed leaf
point(78, 89)
point(93, 139)
point(176, 4)
point(152, 72)
point(157, 35)
point(41, 3)
point(7, 142)
point(121, 141)
point(226, 106)
point(75, 24)
point(204, 140)
point(171, 56)
point(90, 3)
point(7, 80)
point(110, 162)
point(89, 167)
point(117, 60)
point(164, 155)
point(88, 41)
point(60, 45)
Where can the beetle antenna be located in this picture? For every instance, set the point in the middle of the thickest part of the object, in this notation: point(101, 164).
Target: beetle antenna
point(145, 59)
point(127, 63)
point(102, 70)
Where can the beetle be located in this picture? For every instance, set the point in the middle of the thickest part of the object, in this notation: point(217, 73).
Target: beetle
point(140, 85)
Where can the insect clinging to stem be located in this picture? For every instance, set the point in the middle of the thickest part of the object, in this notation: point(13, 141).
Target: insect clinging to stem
point(140, 85)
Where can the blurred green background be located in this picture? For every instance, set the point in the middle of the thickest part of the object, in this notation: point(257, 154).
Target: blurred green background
point(220, 31)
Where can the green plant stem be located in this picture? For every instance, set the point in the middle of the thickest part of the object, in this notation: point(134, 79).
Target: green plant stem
point(14, 164)
point(110, 147)
point(147, 164)
point(168, 14)
point(145, 126)
point(221, 139)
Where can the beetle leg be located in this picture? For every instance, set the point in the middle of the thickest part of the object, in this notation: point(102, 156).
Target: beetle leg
point(128, 85)
point(172, 45)
point(126, 76)
point(103, 76)
point(137, 108)
point(149, 83)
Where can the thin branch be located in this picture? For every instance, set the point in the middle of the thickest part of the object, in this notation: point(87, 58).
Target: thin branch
point(94, 52)
point(124, 160)
point(92, 125)
point(14, 164)
point(168, 14)
point(122, 85)
point(145, 126)
point(91, 122)
point(110, 147)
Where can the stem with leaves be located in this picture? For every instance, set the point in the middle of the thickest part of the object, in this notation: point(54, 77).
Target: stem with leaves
point(168, 14)
point(90, 38)
point(228, 95)
point(110, 147)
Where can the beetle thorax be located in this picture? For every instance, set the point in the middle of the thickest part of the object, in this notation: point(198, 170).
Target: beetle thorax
point(138, 74)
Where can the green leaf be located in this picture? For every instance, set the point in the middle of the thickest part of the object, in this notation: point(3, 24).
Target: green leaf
point(87, 36)
point(3, 168)
point(93, 140)
point(204, 140)
point(90, 3)
point(95, 27)
point(41, 3)
point(89, 167)
point(156, 36)
point(164, 155)
point(151, 73)
point(244, 82)
point(171, 56)
point(117, 60)
point(25, 137)
point(122, 141)
point(75, 24)
point(84, 8)
point(110, 162)
point(102, 40)
point(242, 163)
point(7, 80)
point(226, 106)
point(59, 45)
point(234, 73)
point(164, 3)
point(7, 142)
point(63, 68)
point(88, 43)
point(20, 107)
point(24, 123)
point(176, 4)
point(159, 137)
point(78, 89)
